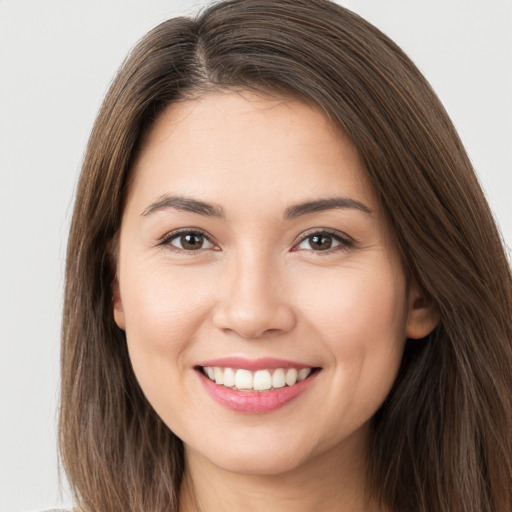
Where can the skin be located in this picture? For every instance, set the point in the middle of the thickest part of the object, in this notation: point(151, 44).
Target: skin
point(259, 287)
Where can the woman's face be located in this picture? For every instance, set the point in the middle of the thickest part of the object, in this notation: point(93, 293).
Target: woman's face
point(264, 304)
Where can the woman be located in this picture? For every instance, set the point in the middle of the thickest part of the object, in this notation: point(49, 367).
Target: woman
point(285, 289)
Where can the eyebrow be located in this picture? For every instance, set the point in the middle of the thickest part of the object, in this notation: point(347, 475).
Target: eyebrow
point(186, 204)
point(189, 204)
point(325, 204)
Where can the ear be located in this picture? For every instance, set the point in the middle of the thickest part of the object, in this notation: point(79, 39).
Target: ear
point(117, 305)
point(422, 316)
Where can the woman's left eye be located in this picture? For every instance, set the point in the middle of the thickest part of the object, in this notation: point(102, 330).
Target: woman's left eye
point(323, 241)
point(189, 241)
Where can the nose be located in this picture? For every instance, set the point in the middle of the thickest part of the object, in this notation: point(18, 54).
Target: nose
point(255, 302)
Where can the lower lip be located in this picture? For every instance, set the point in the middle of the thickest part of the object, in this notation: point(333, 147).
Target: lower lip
point(255, 402)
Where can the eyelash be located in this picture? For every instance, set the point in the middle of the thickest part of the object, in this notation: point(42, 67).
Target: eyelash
point(169, 237)
point(343, 240)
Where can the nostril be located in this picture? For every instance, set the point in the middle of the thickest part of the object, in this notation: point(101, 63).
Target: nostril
point(256, 322)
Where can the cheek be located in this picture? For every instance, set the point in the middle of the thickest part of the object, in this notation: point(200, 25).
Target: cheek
point(361, 319)
point(371, 306)
point(163, 312)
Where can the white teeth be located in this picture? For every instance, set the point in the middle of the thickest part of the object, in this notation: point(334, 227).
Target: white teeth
point(303, 373)
point(261, 380)
point(291, 377)
point(229, 377)
point(243, 379)
point(278, 380)
point(219, 375)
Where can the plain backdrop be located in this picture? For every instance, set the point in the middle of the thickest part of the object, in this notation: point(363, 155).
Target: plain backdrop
point(57, 58)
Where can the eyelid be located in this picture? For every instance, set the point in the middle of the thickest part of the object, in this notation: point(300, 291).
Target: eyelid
point(164, 241)
point(345, 240)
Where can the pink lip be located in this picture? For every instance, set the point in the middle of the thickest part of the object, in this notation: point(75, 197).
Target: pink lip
point(263, 363)
point(254, 402)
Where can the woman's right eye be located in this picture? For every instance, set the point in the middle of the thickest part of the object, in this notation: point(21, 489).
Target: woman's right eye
point(189, 241)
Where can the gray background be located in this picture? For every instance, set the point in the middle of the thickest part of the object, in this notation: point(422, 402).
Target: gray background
point(57, 59)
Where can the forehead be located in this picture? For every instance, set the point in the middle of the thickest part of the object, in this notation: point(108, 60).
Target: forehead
point(267, 145)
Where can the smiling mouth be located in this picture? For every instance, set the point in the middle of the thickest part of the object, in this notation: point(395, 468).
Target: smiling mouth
point(260, 380)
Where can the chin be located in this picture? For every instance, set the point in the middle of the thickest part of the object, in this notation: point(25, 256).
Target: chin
point(263, 455)
point(260, 464)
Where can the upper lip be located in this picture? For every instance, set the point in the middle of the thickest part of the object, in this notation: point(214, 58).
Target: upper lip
point(262, 363)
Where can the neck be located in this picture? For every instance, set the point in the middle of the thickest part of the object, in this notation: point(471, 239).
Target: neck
point(332, 482)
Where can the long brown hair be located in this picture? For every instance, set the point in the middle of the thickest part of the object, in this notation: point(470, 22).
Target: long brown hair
point(442, 441)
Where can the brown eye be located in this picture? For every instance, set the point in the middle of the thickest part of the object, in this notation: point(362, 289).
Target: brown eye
point(320, 242)
point(190, 241)
point(323, 241)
